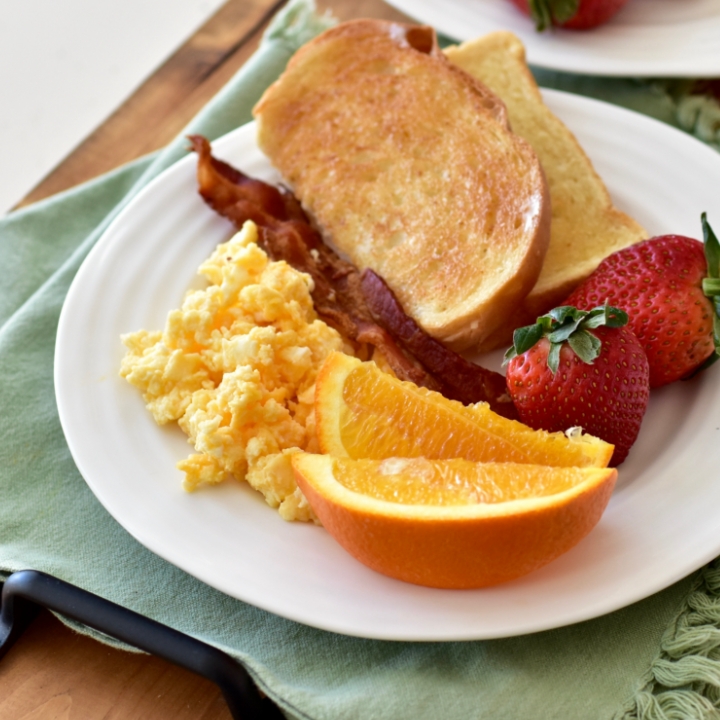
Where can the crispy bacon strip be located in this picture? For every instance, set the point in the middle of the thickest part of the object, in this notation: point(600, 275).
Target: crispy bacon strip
point(459, 379)
point(363, 308)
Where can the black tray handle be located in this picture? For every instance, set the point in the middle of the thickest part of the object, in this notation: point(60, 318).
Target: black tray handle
point(25, 591)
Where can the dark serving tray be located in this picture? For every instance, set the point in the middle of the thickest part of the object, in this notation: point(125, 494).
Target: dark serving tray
point(25, 592)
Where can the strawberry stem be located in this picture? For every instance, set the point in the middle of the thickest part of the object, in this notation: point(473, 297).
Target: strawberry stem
point(712, 248)
point(567, 324)
point(711, 285)
point(540, 13)
point(552, 12)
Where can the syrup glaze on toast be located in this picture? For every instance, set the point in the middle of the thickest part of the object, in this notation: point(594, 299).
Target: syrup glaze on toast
point(407, 166)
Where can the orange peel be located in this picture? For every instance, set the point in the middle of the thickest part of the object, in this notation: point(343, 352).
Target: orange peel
point(429, 522)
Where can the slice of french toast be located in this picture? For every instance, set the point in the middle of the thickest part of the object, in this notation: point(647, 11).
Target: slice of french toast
point(407, 166)
point(585, 227)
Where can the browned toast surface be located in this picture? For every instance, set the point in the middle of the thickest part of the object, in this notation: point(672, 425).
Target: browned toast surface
point(586, 227)
point(407, 166)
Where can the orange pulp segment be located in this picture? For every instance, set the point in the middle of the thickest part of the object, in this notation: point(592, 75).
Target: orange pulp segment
point(362, 412)
point(453, 523)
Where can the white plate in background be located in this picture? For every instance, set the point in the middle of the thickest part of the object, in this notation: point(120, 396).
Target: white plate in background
point(662, 521)
point(647, 38)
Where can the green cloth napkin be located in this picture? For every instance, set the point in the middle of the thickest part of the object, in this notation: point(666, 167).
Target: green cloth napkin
point(656, 659)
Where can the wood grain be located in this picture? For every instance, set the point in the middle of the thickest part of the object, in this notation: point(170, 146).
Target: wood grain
point(162, 106)
point(53, 673)
point(169, 98)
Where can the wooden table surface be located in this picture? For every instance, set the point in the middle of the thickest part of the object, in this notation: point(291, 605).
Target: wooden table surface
point(53, 673)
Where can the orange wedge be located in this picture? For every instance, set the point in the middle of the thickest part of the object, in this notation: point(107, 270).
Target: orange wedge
point(362, 412)
point(453, 523)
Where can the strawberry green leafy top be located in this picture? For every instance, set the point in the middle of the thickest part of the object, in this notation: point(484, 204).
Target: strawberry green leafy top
point(567, 324)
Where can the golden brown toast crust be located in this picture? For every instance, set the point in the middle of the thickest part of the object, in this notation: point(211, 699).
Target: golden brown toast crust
point(408, 167)
point(586, 227)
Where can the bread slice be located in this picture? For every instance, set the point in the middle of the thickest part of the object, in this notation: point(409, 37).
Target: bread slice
point(407, 166)
point(586, 227)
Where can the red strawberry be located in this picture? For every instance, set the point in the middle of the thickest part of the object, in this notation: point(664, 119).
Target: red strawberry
point(659, 283)
point(576, 368)
point(572, 14)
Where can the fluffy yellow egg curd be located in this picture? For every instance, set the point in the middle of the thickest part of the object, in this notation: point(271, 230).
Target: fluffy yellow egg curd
point(235, 366)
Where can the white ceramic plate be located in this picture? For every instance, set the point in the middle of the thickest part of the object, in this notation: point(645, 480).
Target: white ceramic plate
point(647, 38)
point(661, 524)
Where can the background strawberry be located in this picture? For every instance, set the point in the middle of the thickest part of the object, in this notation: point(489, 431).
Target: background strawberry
point(659, 284)
point(577, 368)
point(572, 14)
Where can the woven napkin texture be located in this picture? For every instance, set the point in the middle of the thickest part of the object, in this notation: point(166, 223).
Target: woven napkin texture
point(654, 659)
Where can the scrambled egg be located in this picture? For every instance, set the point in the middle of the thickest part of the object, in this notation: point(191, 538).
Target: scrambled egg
point(235, 366)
